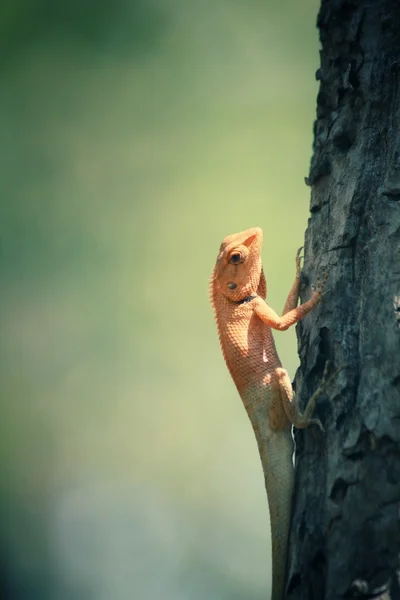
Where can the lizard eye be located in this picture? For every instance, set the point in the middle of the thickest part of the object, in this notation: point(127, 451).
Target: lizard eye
point(235, 258)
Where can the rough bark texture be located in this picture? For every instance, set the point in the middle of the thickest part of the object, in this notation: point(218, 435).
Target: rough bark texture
point(345, 535)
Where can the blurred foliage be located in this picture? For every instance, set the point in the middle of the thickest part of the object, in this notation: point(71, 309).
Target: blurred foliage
point(24, 22)
point(135, 136)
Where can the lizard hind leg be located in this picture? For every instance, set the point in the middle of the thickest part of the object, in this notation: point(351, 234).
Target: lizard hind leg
point(290, 403)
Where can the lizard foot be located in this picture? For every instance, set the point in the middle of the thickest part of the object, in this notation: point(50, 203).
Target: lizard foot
point(326, 381)
point(322, 278)
point(306, 419)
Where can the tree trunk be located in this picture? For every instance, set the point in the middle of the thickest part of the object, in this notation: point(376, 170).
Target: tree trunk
point(345, 534)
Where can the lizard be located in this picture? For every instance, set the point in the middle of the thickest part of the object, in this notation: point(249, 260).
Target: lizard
point(238, 291)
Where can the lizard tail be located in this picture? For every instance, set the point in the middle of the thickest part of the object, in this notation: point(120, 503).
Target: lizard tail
point(277, 461)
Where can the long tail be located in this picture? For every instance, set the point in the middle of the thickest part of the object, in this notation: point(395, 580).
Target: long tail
point(276, 452)
point(279, 478)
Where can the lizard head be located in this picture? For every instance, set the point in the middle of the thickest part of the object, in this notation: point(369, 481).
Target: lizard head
point(238, 268)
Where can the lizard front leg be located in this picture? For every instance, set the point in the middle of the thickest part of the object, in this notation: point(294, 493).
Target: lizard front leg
point(271, 318)
point(293, 297)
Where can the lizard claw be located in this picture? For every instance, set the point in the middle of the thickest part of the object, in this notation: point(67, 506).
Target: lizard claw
point(326, 370)
point(298, 261)
point(318, 423)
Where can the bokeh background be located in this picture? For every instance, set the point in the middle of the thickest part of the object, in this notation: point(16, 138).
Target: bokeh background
point(135, 135)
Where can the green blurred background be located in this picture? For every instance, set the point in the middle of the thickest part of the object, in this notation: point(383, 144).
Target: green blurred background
point(135, 136)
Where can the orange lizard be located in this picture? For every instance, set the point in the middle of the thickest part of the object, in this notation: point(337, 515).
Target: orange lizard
point(244, 320)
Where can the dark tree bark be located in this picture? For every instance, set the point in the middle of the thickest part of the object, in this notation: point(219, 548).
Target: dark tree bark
point(345, 535)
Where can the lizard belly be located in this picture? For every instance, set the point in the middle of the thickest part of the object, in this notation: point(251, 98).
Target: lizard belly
point(250, 354)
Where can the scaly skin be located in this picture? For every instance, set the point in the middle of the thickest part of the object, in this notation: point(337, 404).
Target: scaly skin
point(244, 320)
